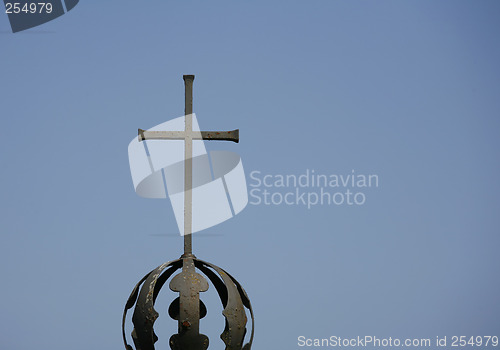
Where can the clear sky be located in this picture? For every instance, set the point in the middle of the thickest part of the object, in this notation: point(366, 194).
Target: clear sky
point(405, 90)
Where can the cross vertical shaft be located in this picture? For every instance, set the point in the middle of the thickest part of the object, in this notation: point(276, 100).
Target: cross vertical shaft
point(188, 165)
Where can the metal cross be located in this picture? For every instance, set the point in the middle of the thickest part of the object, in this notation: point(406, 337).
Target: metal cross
point(188, 136)
point(189, 283)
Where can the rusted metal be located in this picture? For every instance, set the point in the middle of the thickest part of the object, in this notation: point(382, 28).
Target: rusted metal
point(189, 284)
point(188, 308)
point(233, 135)
point(233, 298)
point(144, 313)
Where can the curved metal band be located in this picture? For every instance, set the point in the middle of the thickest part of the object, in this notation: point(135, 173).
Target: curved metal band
point(233, 300)
point(144, 314)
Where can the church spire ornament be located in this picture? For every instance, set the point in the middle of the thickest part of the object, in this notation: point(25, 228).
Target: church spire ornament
point(188, 309)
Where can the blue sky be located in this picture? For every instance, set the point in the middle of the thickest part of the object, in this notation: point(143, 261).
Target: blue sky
point(407, 90)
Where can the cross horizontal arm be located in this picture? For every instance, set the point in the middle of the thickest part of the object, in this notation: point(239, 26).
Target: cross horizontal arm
point(233, 135)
